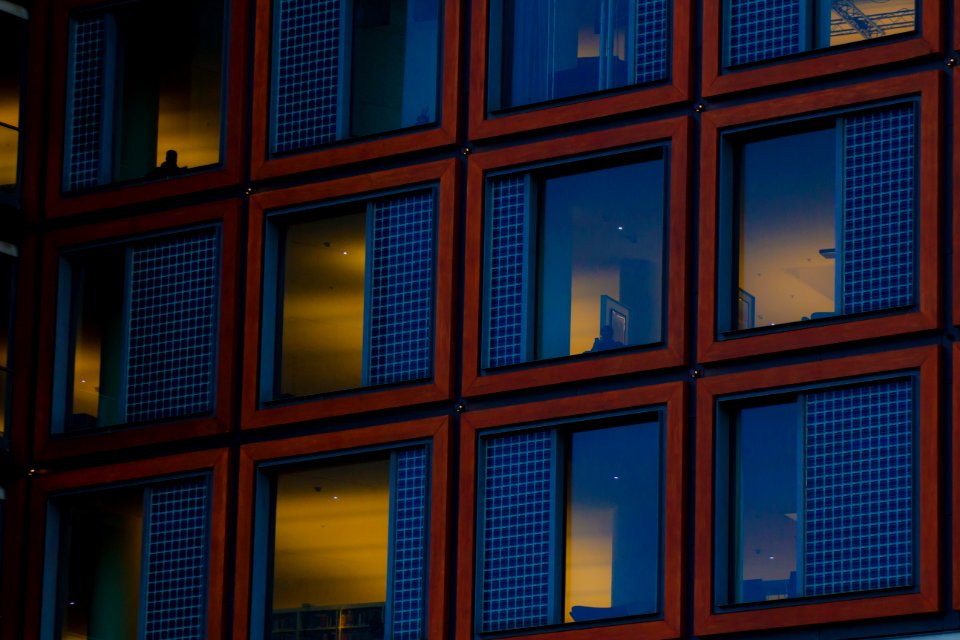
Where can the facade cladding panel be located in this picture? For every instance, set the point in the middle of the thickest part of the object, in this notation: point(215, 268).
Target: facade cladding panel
point(861, 545)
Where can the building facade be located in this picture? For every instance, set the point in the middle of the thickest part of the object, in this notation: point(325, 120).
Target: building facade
point(329, 320)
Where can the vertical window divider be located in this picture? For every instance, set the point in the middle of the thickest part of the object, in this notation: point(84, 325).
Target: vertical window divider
point(801, 493)
point(365, 366)
point(558, 483)
point(111, 95)
point(144, 554)
point(532, 268)
point(391, 540)
point(344, 64)
point(839, 252)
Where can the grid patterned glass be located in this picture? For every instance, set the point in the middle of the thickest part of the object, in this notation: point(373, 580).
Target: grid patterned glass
point(401, 289)
point(307, 51)
point(508, 232)
point(858, 524)
point(173, 309)
point(176, 561)
point(763, 29)
point(409, 541)
point(517, 512)
point(652, 46)
point(878, 209)
point(85, 118)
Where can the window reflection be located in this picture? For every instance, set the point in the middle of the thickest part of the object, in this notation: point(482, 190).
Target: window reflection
point(613, 523)
point(787, 269)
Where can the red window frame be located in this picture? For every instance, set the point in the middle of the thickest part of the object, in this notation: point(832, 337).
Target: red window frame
point(672, 396)
point(716, 81)
point(926, 598)
point(227, 214)
point(710, 346)
point(216, 462)
point(677, 89)
point(228, 172)
point(677, 132)
point(443, 173)
point(11, 556)
point(352, 151)
point(436, 430)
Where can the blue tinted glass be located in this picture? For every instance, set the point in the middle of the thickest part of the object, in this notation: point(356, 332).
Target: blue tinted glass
point(768, 490)
point(601, 260)
point(560, 48)
point(613, 523)
point(394, 63)
point(787, 268)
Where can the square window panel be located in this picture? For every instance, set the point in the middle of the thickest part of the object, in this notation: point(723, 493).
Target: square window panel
point(863, 180)
point(573, 270)
point(138, 326)
point(817, 492)
point(354, 294)
point(139, 109)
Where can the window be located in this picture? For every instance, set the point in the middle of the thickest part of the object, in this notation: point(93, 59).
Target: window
point(853, 180)
point(816, 492)
point(145, 91)
point(13, 29)
point(352, 69)
point(8, 256)
point(572, 269)
point(570, 524)
point(552, 49)
point(130, 561)
point(760, 31)
point(137, 331)
point(347, 546)
point(349, 295)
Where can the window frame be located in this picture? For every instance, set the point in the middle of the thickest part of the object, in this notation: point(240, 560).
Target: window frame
point(675, 134)
point(922, 362)
point(49, 444)
point(435, 432)
point(214, 463)
point(14, 199)
point(353, 150)
point(229, 171)
point(441, 176)
point(671, 399)
point(717, 80)
point(711, 344)
point(677, 88)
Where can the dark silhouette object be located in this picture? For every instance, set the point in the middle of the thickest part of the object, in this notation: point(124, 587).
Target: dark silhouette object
point(168, 168)
point(606, 341)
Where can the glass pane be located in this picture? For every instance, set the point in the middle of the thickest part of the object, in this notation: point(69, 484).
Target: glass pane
point(169, 93)
point(98, 339)
point(768, 493)
point(601, 260)
point(613, 523)
point(858, 20)
point(394, 65)
point(323, 283)
point(12, 32)
point(330, 548)
point(100, 564)
point(786, 271)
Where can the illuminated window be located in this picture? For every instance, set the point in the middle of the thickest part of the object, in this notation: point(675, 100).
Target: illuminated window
point(145, 91)
point(137, 331)
point(352, 69)
point(759, 30)
point(852, 180)
point(348, 547)
point(13, 30)
point(349, 296)
point(130, 562)
point(545, 50)
point(815, 492)
point(575, 258)
point(569, 524)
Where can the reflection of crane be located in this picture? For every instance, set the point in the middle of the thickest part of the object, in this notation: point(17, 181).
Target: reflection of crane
point(867, 26)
